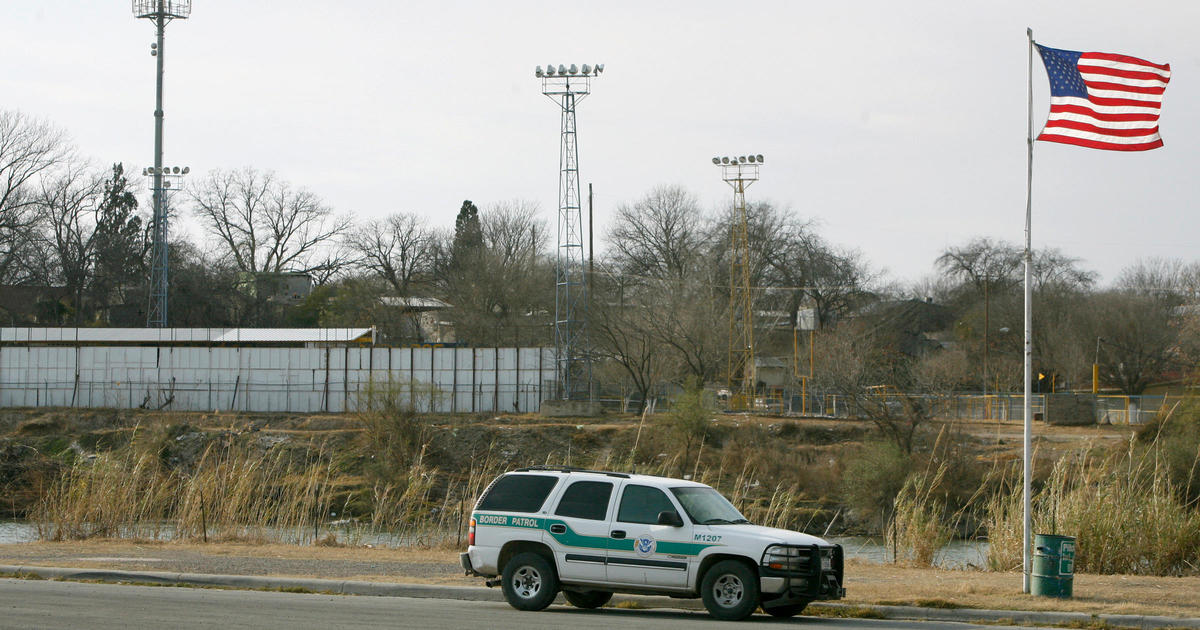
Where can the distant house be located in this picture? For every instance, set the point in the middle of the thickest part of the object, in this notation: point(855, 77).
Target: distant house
point(774, 372)
point(427, 316)
point(32, 304)
point(283, 287)
point(913, 325)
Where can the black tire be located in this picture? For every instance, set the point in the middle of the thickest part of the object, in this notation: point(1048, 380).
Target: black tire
point(730, 590)
point(587, 599)
point(529, 582)
point(783, 611)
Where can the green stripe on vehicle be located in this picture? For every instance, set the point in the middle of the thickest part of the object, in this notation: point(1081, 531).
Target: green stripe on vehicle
point(571, 538)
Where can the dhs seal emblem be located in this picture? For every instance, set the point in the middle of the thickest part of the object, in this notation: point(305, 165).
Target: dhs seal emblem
point(644, 546)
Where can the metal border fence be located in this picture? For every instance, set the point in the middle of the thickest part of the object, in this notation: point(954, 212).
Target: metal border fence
point(328, 379)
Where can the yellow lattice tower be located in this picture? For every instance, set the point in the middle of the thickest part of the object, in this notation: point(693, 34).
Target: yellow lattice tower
point(739, 173)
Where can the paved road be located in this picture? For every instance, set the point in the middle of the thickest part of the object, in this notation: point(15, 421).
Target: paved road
point(49, 604)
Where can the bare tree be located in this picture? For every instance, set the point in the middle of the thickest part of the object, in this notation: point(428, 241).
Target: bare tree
point(662, 235)
point(70, 202)
point(983, 264)
point(398, 249)
point(28, 149)
point(513, 232)
point(1139, 339)
point(1055, 272)
point(493, 270)
point(621, 335)
point(878, 382)
point(1170, 278)
point(264, 224)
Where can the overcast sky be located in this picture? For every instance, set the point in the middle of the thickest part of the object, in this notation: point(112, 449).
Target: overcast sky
point(898, 127)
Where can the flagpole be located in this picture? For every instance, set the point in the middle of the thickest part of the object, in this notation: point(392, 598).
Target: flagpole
point(1027, 525)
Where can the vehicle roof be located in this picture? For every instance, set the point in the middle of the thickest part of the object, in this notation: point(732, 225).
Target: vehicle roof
point(583, 473)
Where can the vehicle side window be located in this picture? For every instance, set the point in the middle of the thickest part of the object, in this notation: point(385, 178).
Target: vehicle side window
point(585, 499)
point(641, 504)
point(518, 493)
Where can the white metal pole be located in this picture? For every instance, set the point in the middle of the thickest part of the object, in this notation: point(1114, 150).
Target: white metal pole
point(1027, 526)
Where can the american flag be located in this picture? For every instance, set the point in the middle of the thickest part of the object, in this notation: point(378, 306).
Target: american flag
point(1103, 101)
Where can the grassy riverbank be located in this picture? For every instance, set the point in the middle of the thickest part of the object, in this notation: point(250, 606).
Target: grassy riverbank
point(80, 475)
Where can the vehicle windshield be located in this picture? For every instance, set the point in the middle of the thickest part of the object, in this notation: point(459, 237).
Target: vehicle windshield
point(706, 506)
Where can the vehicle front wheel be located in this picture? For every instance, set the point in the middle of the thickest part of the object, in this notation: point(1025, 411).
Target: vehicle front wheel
point(587, 599)
point(730, 590)
point(784, 611)
point(529, 582)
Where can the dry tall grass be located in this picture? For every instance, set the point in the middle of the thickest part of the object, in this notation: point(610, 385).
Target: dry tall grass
point(919, 528)
point(1124, 510)
point(233, 494)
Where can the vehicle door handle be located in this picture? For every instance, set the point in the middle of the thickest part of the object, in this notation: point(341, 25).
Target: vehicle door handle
point(558, 528)
point(617, 533)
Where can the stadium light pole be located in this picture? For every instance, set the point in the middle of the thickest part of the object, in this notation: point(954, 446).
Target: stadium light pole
point(159, 12)
point(739, 172)
point(566, 86)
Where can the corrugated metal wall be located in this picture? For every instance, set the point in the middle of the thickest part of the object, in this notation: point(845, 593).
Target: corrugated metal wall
point(330, 379)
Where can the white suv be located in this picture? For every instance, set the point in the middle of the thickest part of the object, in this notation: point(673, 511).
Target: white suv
point(592, 533)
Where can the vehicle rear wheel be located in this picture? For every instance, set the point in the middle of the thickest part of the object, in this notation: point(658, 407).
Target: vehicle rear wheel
point(587, 599)
point(783, 611)
point(730, 590)
point(529, 582)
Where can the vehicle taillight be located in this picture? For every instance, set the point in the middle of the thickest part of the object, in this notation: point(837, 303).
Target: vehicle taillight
point(471, 533)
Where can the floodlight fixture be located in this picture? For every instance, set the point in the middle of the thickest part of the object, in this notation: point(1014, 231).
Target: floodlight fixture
point(539, 72)
point(587, 69)
point(187, 169)
point(739, 171)
point(574, 69)
point(165, 9)
point(599, 68)
point(562, 69)
point(760, 158)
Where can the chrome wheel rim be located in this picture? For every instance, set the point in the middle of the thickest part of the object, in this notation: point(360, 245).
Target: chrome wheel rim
point(728, 591)
point(526, 582)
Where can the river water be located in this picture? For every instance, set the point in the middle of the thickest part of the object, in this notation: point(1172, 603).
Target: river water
point(959, 554)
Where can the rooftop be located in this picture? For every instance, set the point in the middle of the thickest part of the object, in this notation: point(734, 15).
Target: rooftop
point(189, 336)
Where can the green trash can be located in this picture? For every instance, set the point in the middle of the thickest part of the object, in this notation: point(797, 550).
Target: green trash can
point(1053, 565)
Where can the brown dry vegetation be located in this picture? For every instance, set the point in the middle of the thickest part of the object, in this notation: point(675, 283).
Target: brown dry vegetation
point(262, 477)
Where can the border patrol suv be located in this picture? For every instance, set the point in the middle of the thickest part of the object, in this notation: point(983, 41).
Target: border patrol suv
point(592, 533)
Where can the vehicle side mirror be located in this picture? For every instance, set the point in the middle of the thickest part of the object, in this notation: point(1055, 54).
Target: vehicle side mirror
point(670, 517)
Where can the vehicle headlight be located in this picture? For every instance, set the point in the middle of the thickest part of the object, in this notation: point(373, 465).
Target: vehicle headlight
point(785, 558)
